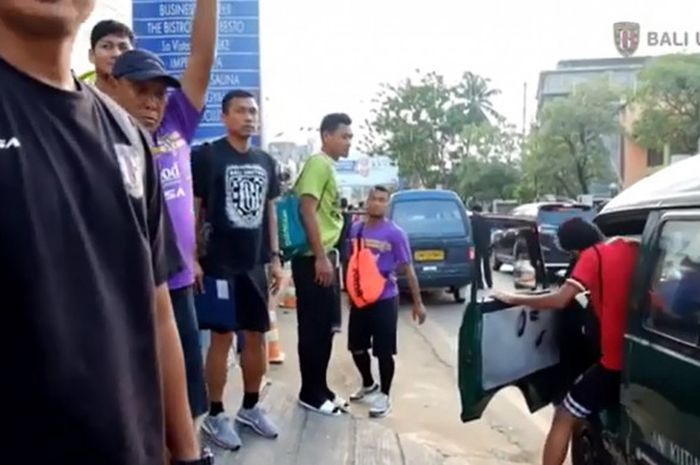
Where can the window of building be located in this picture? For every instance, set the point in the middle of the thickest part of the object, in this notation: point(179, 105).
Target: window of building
point(654, 158)
point(674, 309)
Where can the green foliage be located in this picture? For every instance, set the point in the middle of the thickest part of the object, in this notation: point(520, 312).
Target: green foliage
point(426, 124)
point(669, 100)
point(486, 179)
point(488, 140)
point(566, 152)
point(475, 94)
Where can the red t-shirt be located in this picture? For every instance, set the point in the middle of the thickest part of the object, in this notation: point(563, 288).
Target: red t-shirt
point(619, 258)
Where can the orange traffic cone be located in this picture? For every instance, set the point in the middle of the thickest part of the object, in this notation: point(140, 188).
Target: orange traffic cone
point(289, 300)
point(275, 355)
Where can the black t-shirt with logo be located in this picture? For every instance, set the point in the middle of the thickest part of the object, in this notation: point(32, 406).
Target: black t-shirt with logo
point(81, 250)
point(234, 188)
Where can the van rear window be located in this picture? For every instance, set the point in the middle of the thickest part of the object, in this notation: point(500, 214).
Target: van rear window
point(430, 218)
point(555, 216)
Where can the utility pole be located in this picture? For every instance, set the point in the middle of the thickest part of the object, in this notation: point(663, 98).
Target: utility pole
point(524, 108)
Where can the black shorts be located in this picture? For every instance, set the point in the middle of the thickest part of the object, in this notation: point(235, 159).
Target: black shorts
point(594, 391)
point(186, 319)
point(250, 294)
point(375, 327)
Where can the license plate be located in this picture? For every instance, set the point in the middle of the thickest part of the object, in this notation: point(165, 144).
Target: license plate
point(429, 255)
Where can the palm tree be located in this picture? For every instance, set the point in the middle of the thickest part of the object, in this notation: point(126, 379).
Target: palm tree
point(477, 94)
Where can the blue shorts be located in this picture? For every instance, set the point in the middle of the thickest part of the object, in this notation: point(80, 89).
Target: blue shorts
point(244, 307)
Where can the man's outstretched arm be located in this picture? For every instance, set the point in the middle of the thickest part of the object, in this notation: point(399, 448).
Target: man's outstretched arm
point(195, 79)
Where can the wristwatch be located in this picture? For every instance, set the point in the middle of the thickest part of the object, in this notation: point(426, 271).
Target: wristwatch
point(207, 458)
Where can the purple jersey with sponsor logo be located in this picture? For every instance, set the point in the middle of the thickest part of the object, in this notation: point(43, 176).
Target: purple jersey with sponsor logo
point(389, 243)
point(172, 152)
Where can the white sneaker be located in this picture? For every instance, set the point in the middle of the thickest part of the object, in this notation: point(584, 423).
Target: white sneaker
point(219, 430)
point(381, 406)
point(342, 404)
point(364, 391)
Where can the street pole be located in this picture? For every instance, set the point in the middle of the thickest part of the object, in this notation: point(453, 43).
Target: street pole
point(524, 107)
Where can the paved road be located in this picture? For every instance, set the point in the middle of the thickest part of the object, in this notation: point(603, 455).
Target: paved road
point(425, 399)
point(507, 413)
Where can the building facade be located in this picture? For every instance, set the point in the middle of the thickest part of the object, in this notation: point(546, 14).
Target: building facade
point(621, 72)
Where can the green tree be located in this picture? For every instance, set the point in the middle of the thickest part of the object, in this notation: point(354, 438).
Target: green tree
point(566, 151)
point(487, 178)
point(421, 123)
point(476, 94)
point(668, 98)
point(489, 140)
point(487, 168)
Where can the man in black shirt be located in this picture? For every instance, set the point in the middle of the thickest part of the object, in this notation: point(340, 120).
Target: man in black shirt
point(91, 352)
point(235, 185)
point(482, 242)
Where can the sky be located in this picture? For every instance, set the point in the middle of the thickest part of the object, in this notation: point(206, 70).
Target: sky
point(321, 56)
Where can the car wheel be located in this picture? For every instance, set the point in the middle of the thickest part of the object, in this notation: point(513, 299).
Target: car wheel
point(587, 447)
point(458, 295)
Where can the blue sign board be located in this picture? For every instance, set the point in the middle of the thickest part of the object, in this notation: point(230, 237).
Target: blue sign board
point(165, 26)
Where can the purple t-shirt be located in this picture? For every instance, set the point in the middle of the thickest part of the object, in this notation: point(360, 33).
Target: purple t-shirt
point(389, 244)
point(172, 152)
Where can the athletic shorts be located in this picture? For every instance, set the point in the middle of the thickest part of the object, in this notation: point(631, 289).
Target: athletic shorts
point(250, 295)
point(375, 327)
point(186, 320)
point(594, 391)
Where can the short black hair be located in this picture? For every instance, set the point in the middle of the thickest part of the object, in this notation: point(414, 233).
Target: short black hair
point(577, 234)
point(477, 208)
point(380, 188)
point(109, 27)
point(232, 94)
point(333, 121)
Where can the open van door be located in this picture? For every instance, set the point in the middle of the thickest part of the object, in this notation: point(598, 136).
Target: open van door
point(502, 345)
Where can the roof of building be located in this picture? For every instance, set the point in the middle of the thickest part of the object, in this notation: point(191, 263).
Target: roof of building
point(675, 186)
point(589, 66)
point(615, 62)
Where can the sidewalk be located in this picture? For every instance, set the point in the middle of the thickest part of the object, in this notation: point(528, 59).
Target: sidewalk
point(310, 439)
point(424, 427)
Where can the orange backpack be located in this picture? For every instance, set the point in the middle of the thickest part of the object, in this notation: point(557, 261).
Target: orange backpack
point(363, 281)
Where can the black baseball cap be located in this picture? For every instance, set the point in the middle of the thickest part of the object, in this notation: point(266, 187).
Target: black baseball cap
point(142, 65)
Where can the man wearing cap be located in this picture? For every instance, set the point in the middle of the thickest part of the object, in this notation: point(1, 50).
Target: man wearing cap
point(141, 87)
